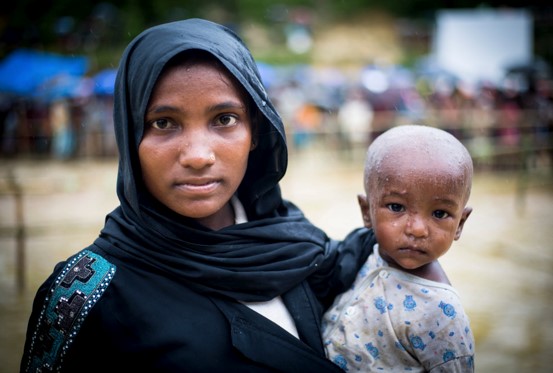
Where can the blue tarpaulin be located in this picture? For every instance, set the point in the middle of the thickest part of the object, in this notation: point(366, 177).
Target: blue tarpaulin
point(23, 71)
point(104, 82)
point(62, 87)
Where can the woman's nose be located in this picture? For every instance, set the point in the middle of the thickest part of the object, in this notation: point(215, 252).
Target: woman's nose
point(197, 152)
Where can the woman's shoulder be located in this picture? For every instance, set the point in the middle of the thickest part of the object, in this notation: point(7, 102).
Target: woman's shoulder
point(62, 305)
point(84, 275)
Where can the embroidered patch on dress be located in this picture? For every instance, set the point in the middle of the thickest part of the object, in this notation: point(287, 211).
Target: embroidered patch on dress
point(78, 287)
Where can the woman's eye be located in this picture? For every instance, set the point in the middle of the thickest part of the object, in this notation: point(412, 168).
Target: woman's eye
point(161, 124)
point(395, 207)
point(226, 120)
point(440, 214)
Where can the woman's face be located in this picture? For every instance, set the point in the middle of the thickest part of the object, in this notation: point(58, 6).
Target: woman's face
point(196, 142)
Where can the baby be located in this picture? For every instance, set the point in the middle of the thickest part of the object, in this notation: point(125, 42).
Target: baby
point(402, 314)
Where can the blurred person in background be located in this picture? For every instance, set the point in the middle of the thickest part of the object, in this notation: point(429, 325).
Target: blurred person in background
point(355, 117)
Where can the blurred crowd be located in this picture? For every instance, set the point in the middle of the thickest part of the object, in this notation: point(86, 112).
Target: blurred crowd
point(508, 124)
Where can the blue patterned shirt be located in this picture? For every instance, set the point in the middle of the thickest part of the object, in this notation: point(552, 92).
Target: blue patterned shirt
point(391, 320)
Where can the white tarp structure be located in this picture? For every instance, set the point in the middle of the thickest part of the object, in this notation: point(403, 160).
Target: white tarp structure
point(479, 44)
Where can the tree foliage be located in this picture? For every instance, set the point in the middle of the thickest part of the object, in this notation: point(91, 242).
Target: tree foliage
point(104, 28)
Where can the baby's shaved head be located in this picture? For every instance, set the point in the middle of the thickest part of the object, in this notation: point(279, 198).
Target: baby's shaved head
point(416, 147)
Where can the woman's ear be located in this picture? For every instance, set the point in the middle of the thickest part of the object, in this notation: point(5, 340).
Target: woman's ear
point(465, 215)
point(365, 211)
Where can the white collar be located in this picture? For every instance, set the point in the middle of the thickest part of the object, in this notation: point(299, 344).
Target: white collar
point(239, 212)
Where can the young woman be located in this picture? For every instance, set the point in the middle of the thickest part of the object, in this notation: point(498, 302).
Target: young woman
point(203, 267)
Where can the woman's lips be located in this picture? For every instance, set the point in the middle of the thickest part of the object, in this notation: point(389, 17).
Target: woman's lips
point(198, 185)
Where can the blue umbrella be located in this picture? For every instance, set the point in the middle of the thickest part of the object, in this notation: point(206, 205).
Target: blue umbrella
point(23, 71)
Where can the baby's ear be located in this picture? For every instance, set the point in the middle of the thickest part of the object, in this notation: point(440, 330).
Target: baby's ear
point(364, 205)
point(466, 213)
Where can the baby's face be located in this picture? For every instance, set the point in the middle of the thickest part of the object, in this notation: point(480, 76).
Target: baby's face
point(417, 209)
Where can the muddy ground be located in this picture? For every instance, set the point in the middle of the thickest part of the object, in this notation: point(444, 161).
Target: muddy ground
point(502, 265)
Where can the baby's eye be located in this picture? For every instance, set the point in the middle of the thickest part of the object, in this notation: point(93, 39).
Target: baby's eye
point(395, 207)
point(440, 214)
point(226, 120)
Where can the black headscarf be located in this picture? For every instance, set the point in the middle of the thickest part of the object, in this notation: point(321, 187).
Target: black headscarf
point(254, 261)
